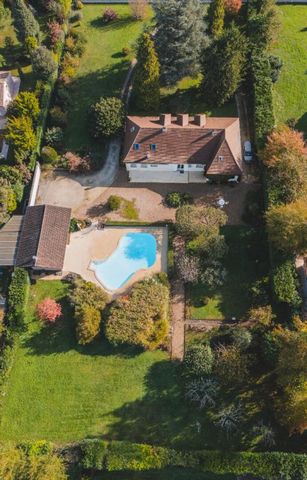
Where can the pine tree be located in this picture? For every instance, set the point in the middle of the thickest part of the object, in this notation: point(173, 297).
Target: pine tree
point(216, 16)
point(25, 23)
point(146, 83)
point(179, 37)
point(223, 66)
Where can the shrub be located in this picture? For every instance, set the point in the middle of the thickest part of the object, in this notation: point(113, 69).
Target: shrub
point(114, 202)
point(230, 365)
point(213, 274)
point(68, 68)
point(7, 200)
point(25, 104)
point(140, 318)
point(109, 15)
point(58, 118)
point(25, 23)
point(17, 297)
point(93, 454)
point(241, 338)
point(198, 361)
point(15, 179)
point(54, 136)
point(176, 199)
point(202, 391)
point(49, 155)
point(88, 320)
point(75, 163)
point(285, 284)
point(106, 117)
point(56, 33)
point(48, 310)
point(87, 293)
point(19, 133)
point(139, 8)
point(188, 268)
point(76, 17)
point(276, 64)
point(31, 44)
point(192, 220)
point(42, 63)
point(126, 51)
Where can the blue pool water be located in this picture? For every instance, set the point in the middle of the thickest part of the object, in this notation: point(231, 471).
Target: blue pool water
point(135, 251)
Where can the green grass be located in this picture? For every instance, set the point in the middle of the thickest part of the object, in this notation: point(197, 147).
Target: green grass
point(102, 69)
point(129, 210)
point(290, 97)
point(62, 392)
point(243, 266)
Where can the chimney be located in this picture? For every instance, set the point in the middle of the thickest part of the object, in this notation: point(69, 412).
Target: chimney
point(183, 119)
point(200, 120)
point(165, 119)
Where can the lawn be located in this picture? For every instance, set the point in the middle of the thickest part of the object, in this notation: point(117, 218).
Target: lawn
point(103, 68)
point(243, 269)
point(290, 95)
point(62, 392)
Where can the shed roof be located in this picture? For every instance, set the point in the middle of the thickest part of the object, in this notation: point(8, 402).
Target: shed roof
point(9, 235)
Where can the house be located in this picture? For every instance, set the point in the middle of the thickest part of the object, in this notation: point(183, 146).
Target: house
point(9, 88)
point(36, 240)
point(182, 149)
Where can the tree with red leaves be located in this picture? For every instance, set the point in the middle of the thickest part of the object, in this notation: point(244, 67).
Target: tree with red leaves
point(232, 7)
point(49, 310)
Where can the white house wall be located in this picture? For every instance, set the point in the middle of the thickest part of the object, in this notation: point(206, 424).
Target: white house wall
point(166, 173)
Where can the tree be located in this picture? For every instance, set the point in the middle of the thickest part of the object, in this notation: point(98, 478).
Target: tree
point(15, 179)
point(193, 220)
point(179, 38)
point(4, 15)
point(48, 310)
point(282, 140)
point(263, 24)
point(241, 338)
point(87, 293)
point(20, 135)
point(260, 317)
point(230, 364)
point(146, 82)
point(287, 227)
point(7, 200)
point(139, 8)
point(202, 391)
point(25, 23)
point(106, 117)
point(188, 268)
point(232, 7)
point(25, 104)
point(43, 63)
point(223, 66)
point(88, 320)
point(140, 318)
point(216, 15)
point(285, 283)
point(198, 361)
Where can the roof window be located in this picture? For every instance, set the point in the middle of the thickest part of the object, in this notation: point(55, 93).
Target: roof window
point(136, 146)
point(153, 147)
point(221, 158)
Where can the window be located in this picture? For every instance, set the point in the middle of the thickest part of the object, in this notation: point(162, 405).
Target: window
point(136, 146)
point(133, 166)
point(221, 158)
point(153, 165)
point(144, 166)
point(199, 166)
point(153, 147)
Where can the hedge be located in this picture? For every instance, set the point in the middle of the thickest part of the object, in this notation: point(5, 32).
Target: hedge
point(123, 456)
point(262, 97)
point(17, 297)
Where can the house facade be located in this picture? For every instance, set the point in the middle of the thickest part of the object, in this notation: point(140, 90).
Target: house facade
point(9, 88)
point(182, 149)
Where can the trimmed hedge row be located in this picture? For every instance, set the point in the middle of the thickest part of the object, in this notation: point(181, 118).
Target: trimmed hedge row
point(17, 297)
point(262, 96)
point(119, 456)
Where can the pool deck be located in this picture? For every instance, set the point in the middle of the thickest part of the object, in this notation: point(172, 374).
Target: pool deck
point(93, 244)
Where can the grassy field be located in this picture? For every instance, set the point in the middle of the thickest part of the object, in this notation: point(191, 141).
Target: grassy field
point(290, 93)
point(242, 265)
point(103, 68)
point(62, 392)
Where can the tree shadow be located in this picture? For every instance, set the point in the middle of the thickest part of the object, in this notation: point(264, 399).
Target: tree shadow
point(175, 473)
point(302, 123)
point(120, 23)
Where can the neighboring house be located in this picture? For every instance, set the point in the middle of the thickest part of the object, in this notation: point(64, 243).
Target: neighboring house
point(36, 240)
point(182, 149)
point(9, 88)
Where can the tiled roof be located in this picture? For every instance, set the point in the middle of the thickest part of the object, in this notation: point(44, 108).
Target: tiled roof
point(43, 237)
point(9, 235)
point(216, 145)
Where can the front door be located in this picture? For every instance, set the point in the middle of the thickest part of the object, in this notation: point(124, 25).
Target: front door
point(180, 168)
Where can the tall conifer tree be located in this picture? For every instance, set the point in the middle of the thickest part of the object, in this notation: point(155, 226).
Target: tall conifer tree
point(179, 37)
point(146, 83)
point(25, 23)
point(216, 17)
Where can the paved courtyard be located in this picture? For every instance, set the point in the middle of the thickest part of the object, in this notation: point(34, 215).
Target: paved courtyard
point(90, 200)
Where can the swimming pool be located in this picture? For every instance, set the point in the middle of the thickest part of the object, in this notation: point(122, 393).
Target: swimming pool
point(135, 251)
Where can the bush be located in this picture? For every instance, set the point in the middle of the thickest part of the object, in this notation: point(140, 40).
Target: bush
point(25, 23)
point(42, 63)
point(140, 318)
point(76, 17)
point(188, 268)
point(88, 320)
point(109, 15)
point(48, 310)
point(17, 297)
point(54, 137)
point(241, 338)
point(56, 34)
point(114, 202)
point(198, 361)
point(15, 179)
point(176, 199)
point(49, 155)
point(93, 454)
point(69, 67)
point(75, 163)
point(106, 117)
point(87, 293)
point(25, 104)
point(126, 51)
point(285, 284)
point(19, 133)
point(230, 365)
point(58, 118)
